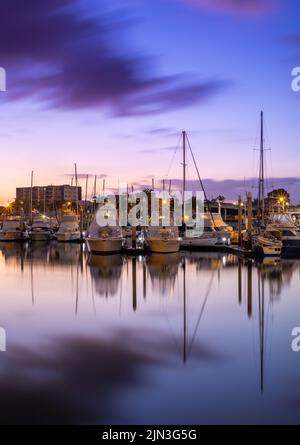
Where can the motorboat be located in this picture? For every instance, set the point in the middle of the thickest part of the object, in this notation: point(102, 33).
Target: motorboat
point(205, 236)
point(41, 229)
point(162, 239)
point(104, 239)
point(221, 226)
point(69, 229)
point(13, 229)
point(283, 228)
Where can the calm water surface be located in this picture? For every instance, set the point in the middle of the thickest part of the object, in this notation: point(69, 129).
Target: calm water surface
point(183, 338)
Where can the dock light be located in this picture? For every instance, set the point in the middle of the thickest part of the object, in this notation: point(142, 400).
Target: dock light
point(164, 201)
point(186, 217)
point(7, 205)
point(43, 216)
point(281, 199)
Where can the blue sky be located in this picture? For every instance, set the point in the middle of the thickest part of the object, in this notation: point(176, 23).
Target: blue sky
point(113, 93)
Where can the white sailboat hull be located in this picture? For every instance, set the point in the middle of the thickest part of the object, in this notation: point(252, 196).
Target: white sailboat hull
point(164, 245)
point(96, 245)
point(198, 242)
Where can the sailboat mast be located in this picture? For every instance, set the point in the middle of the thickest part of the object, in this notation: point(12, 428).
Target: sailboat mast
point(31, 186)
point(183, 171)
point(261, 193)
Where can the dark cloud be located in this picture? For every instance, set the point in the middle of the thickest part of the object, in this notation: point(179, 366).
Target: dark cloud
point(83, 380)
point(57, 55)
point(244, 7)
point(231, 188)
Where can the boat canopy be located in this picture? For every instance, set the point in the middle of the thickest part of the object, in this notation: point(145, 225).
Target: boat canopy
point(104, 232)
point(283, 220)
point(169, 232)
point(12, 224)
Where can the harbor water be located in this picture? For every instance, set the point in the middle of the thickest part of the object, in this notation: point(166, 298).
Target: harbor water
point(187, 338)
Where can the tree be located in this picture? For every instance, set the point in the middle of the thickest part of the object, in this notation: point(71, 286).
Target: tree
point(277, 200)
point(219, 198)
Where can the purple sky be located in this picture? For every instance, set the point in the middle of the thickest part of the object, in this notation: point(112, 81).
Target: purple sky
point(110, 85)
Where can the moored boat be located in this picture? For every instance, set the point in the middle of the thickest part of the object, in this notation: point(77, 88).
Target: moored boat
point(104, 239)
point(163, 239)
point(206, 237)
point(68, 230)
point(41, 229)
point(13, 229)
point(284, 229)
point(265, 245)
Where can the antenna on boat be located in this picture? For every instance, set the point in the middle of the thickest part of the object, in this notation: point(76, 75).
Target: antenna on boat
point(261, 181)
point(95, 194)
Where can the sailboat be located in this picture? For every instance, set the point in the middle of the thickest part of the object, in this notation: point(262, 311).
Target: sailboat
point(211, 234)
point(68, 229)
point(264, 242)
point(207, 237)
point(267, 245)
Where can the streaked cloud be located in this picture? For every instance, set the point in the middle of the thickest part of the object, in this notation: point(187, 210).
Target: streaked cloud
point(240, 7)
point(63, 58)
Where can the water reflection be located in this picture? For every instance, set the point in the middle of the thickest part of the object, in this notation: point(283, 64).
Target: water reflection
point(106, 271)
point(163, 270)
point(202, 328)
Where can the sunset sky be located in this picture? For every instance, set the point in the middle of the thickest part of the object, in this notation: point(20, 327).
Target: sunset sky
point(110, 84)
